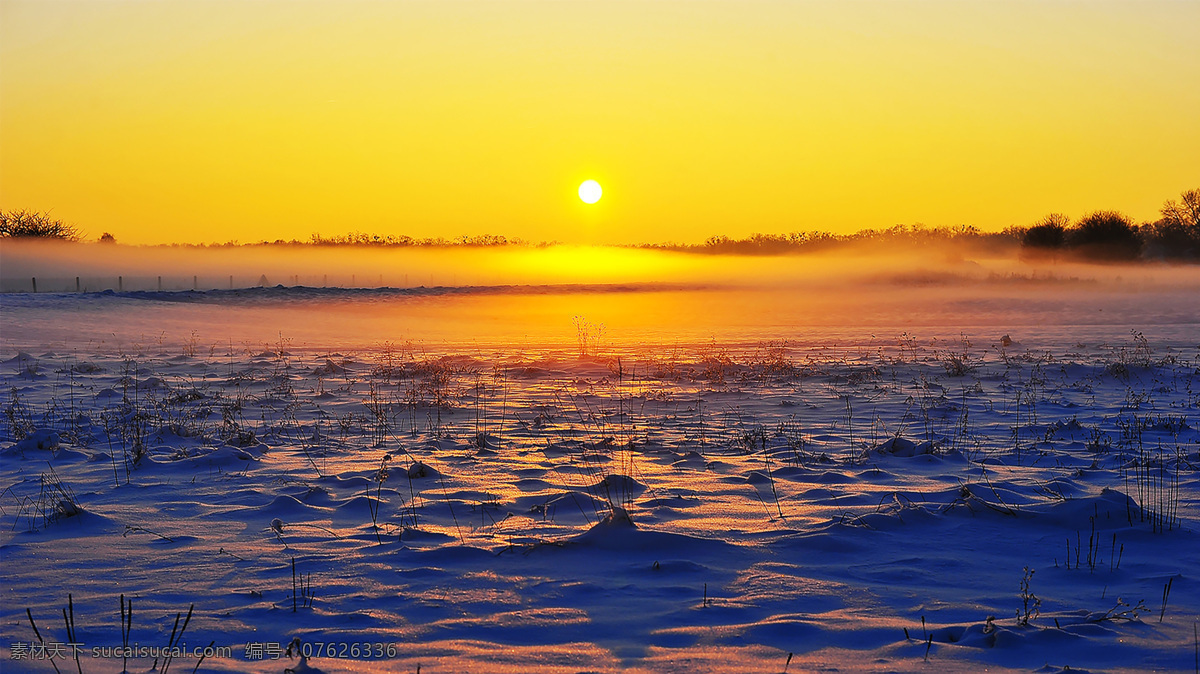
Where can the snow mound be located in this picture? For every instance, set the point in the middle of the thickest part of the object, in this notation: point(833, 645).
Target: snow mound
point(904, 447)
point(224, 455)
point(421, 470)
point(21, 359)
point(617, 485)
point(329, 368)
point(42, 439)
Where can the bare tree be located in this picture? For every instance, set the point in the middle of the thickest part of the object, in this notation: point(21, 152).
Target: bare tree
point(1049, 232)
point(28, 224)
point(1184, 213)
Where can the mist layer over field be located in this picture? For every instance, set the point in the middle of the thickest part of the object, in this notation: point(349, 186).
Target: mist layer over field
point(557, 295)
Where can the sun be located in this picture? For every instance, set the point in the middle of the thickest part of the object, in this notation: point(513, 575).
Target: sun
point(590, 192)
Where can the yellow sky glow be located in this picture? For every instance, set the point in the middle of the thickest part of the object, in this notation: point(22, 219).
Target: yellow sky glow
point(200, 121)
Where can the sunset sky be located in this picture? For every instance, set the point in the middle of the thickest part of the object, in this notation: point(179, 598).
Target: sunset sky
point(202, 121)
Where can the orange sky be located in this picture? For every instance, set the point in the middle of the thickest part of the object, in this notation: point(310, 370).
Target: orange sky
point(198, 121)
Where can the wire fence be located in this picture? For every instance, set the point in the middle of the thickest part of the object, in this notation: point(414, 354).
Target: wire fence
point(174, 283)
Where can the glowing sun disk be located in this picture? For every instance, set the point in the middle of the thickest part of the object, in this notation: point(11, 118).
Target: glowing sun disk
point(590, 191)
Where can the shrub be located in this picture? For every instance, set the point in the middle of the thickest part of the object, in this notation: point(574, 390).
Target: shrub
point(27, 224)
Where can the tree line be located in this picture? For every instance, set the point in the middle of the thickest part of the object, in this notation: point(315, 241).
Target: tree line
point(1099, 235)
point(1112, 235)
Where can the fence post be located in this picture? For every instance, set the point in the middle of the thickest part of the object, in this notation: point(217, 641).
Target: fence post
point(34, 284)
point(195, 283)
point(160, 284)
point(76, 284)
point(120, 284)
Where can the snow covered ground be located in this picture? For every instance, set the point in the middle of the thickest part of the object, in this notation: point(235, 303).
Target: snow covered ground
point(422, 479)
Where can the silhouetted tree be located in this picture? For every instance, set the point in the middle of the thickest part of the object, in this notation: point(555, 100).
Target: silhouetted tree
point(107, 238)
point(1048, 233)
point(1177, 233)
point(27, 224)
point(1106, 235)
point(1186, 212)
